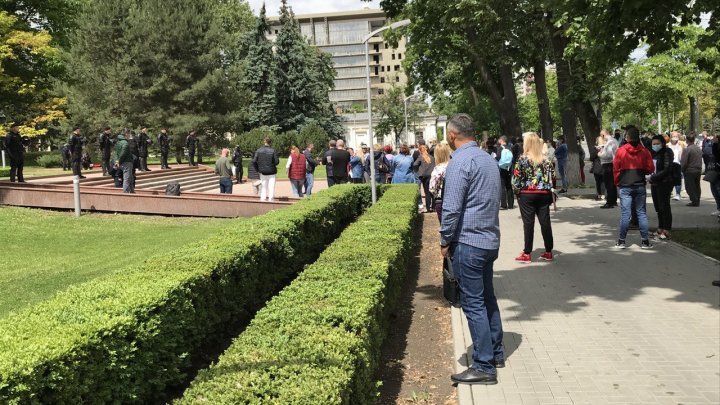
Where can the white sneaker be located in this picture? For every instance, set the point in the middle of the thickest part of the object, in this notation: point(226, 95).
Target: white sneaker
point(677, 197)
point(715, 213)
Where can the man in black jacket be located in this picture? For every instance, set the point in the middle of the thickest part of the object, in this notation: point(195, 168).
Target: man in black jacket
point(143, 142)
point(16, 150)
point(191, 144)
point(237, 160)
point(65, 153)
point(106, 143)
point(266, 160)
point(340, 158)
point(327, 161)
point(76, 148)
point(311, 165)
point(164, 143)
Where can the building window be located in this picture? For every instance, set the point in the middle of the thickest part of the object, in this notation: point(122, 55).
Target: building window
point(384, 44)
point(276, 32)
point(399, 56)
point(397, 79)
point(397, 68)
point(381, 91)
point(351, 32)
point(382, 68)
point(376, 58)
point(377, 47)
point(393, 56)
point(377, 72)
point(382, 80)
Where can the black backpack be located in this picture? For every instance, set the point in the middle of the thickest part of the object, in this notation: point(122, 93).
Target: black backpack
point(382, 165)
point(173, 189)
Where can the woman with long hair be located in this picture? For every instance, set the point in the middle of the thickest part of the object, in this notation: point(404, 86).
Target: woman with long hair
point(425, 165)
point(296, 168)
point(661, 185)
point(532, 181)
point(389, 157)
point(356, 167)
point(437, 178)
point(597, 169)
point(402, 167)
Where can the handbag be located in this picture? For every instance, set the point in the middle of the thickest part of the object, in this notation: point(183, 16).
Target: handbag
point(451, 288)
point(712, 176)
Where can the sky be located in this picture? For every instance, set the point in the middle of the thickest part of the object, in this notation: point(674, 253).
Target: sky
point(313, 6)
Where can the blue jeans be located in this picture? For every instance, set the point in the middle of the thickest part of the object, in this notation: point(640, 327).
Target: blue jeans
point(226, 185)
point(309, 181)
point(628, 196)
point(561, 170)
point(474, 271)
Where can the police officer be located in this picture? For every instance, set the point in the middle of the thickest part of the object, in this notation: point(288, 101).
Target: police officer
point(76, 147)
point(15, 145)
point(106, 143)
point(65, 153)
point(164, 143)
point(191, 144)
point(135, 153)
point(237, 160)
point(143, 142)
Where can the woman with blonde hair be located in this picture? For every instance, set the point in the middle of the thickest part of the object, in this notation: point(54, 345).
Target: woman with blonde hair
point(424, 166)
point(532, 181)
point(437, 178)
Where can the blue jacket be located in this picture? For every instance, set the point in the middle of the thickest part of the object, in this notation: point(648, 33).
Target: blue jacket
point(561, 153)
point(356, 167)
point(403, 170)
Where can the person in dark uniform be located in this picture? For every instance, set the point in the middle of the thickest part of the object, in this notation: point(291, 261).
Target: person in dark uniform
point(237, 160)
point(135, 153)
point(15, 145)
point(76, 148)
point(143, 141)
point(65, 153)
point(191, 145)
point(164, 143)
point(106, 143)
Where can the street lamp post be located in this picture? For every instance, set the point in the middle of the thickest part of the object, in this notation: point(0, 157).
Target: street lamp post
point(366, 41)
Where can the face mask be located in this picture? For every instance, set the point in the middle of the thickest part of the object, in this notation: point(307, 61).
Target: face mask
point(657, 148)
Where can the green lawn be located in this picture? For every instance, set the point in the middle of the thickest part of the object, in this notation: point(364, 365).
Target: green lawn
point(705, 241)
point(43, 252)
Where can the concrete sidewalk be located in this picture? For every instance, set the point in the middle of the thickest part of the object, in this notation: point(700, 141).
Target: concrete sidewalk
point(600, 325)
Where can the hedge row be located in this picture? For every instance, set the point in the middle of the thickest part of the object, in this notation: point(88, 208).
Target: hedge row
point(128, 337)
point(319, 340)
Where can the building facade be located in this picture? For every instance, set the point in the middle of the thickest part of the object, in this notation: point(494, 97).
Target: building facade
point(341, 34)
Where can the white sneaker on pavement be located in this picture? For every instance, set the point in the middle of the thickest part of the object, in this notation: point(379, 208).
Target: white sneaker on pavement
point(715, 213)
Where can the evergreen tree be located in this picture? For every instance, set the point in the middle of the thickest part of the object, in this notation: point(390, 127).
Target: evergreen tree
point(260, 75)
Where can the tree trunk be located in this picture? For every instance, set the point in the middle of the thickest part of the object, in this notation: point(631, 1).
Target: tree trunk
point(694, 115)
point(543, 100)
point(590, 124)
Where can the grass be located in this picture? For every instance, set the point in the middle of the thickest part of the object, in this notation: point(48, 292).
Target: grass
point(34, 171)
point(705, 241)
point(43, 252)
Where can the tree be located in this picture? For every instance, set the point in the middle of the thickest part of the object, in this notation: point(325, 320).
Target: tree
point(134, 63)
point(28, 65)
point(260, 75)
point(390, 110)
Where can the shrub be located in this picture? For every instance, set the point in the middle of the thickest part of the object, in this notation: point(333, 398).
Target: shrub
point(127, 337)
point(316, 135)
point(319, 340)
point(252, 140)
point(50, 160)
point(5, 172)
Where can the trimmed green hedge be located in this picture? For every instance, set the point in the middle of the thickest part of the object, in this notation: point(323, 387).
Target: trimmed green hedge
point(319, 340)
point(128, 337)
point(5, 172)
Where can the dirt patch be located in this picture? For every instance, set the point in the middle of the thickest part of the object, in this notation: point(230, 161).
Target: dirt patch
point(418, 352)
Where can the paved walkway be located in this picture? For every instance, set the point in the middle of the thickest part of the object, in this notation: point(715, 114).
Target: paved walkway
point(600, 325)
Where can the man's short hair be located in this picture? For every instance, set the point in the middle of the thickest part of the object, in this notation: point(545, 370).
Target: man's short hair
point(462, 124)
point(690, 138)
point(333, 143)
point(268, 141)
point(107, 129)
point(632, 133)
point(340, 143)
point(503, 138)
point(421, 142)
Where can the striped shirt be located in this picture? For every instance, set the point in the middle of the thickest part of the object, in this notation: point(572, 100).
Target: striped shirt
point(471, 199)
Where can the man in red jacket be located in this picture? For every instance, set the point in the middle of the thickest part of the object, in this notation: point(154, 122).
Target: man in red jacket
point(632, 164)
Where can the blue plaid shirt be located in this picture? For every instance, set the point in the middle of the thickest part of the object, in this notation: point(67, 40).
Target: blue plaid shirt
point(471, 199)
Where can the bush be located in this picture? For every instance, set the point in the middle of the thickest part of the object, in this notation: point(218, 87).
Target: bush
point(50, 160)
point(127, 337)
point(252, 140)
point(5, 172)
point(319, 340)
point(316, 135)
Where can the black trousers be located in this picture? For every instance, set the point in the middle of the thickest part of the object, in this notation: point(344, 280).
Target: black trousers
point(163, 159)
point(532, 205)
point(330, 180)
point(239, 173)
point(66, 163)
point(340, 180)
point(178, 157)
point(612, 195)
point(425, 181)
point(661, 200)
point(507, 195)
point(106, 164)
point(16, 170)
point(76, 167)
point(692, 187)
point(191, 156)
point(356, 180)
point(599, 181)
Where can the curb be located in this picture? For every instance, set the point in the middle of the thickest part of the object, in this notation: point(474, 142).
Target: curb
point(693, 252)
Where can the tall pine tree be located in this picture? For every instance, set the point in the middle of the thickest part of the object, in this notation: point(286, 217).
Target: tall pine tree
point(260, 75)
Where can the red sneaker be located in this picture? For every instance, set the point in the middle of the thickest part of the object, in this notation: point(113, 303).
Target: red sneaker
point(524, 258)
point(546, 257)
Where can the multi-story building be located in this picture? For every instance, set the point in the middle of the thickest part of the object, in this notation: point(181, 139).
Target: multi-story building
point(340, 34)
